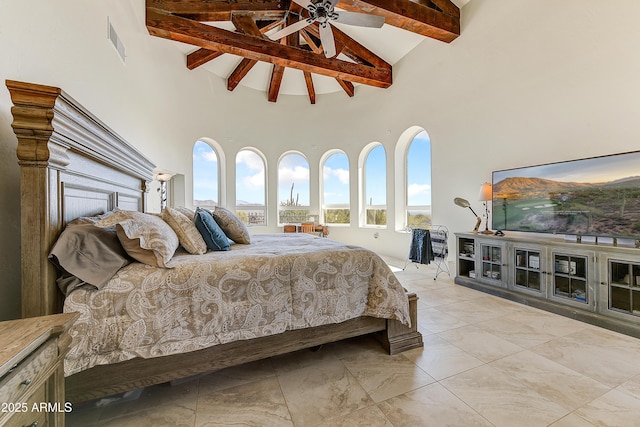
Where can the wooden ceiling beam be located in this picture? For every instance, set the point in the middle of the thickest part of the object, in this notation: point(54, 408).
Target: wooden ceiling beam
point(221, 10)
point(245, 24)
point(240, 72)
point(165, 25)
point(276, 81)
point(440, 22)
point(308, 79)
point(348, 87)
point(201, 57)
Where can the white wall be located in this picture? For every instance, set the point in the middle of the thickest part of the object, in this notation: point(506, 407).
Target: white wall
point(527, 82)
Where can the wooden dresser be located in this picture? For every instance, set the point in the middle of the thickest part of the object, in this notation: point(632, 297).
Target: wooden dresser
point(31, 370)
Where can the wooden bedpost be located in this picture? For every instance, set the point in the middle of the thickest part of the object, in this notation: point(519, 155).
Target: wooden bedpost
point(52, 128)
point(397, 338)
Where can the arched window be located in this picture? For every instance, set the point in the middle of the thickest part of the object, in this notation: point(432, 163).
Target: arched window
point(250, 187)
point(293, 189)
point(335, 189)
point(206, 175)
point(375, 187)
point(418, 181)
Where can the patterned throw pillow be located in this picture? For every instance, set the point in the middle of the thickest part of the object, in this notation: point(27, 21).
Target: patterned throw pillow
point(189, 213)
point(232, 226)
point(211, 232)
point(188, 234)
point(146, 238)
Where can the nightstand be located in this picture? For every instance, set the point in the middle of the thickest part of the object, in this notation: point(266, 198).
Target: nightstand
point(31, 370)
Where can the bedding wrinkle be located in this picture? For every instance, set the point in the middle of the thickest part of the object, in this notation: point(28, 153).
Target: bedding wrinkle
point(277, 283)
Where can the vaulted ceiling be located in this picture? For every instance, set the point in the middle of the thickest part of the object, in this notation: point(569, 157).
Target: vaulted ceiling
point(241, 28)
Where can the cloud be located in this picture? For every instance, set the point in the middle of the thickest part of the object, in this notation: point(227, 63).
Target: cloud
point(295, 174)
point(204, 152)
point(418, 189)
point(341, 174)
point(250, 159)
point(254, 181)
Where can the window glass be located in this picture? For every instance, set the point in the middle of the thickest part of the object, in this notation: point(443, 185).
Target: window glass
point(336, 195)
point(418, 195)
point(250, 188)
point(293, 189)
point(205, 175)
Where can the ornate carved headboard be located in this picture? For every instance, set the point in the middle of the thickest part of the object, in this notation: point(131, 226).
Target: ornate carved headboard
point(71, 165)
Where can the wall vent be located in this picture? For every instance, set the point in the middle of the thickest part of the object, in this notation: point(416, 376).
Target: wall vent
point(115, 40)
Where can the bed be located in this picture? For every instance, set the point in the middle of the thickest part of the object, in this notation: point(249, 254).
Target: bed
point(72, 165)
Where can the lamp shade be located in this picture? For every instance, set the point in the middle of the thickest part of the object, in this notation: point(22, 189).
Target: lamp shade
point(486, 192)
point(163, 177)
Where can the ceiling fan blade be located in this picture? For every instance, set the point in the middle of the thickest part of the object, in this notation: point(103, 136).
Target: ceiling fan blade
point(332, 2)
point(360, 19)
point(290, 29)
point(304, 3)
point(328, 42)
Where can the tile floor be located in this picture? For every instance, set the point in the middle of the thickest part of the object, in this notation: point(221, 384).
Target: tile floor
point(486, 362)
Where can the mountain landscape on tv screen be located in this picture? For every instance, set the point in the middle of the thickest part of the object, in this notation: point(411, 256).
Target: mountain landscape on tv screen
point(547, 206)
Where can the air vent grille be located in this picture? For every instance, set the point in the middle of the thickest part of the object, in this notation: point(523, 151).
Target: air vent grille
point(115, 41)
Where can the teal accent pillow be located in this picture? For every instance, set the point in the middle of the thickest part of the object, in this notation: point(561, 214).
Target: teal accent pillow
point(211, 232)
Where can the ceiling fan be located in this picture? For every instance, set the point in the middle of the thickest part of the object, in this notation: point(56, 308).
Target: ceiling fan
point(323, 12)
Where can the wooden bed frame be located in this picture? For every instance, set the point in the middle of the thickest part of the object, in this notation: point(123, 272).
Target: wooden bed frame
point(73, 165)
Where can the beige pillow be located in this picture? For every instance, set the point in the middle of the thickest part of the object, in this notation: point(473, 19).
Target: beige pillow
point(232, 226)
point(189, 213)
point(188, 235)
point(145, 237)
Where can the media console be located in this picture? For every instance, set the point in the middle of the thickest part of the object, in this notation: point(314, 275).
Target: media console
point(593, 283)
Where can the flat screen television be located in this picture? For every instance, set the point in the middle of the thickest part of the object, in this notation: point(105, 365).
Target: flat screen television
point(598, 196)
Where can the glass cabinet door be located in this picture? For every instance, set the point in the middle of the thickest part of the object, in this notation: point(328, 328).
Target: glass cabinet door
point(491, 262)
point(527, 269)
point(624, 287)
point(570, 277)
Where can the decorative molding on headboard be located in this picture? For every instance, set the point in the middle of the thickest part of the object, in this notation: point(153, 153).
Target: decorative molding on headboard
point(47, 121)
point(71, 164)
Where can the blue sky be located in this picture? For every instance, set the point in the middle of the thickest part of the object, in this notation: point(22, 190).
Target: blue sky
point(294, 169)
point(205, 172)
point(419, 171)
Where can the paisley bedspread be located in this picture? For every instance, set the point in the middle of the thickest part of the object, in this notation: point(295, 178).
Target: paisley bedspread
point(277, 283)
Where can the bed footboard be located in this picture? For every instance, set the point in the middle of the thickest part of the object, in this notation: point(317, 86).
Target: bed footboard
point(107, 380)
point(396, 337)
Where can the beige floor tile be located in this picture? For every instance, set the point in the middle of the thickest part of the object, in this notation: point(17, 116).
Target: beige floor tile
point(614, 409)
point(320, 390)
point(631, 387)
point(502, 399)
point(259, 403)
point(471, 312)
point(480, 343)
point(547, 322)
point(384, 376)
point(572, 420)
point(432, 405)
point(161, 405)
point(596, 353)
point(559, 384)
point(371, 416)
point(436, 320)
point(441, 359)
point(521, 334)
point(164, 416)
point(237, 375)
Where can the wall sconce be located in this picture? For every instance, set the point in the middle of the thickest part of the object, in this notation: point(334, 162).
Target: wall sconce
point(486, 194)
point(163, 178)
